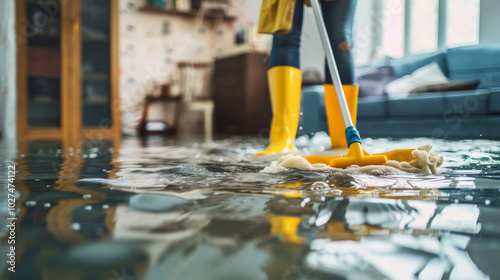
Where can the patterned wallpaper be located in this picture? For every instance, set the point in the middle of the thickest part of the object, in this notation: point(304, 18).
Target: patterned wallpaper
point(7, 70)
point(151, 46)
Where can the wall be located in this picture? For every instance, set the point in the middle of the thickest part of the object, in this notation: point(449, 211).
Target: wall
point(7, 69)
point(489, 22)
point(151, 46)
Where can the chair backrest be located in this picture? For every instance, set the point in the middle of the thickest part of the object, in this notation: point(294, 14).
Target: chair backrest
point(195, 80)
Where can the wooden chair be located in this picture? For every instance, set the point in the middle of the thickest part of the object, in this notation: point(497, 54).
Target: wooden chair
point(165, 97)
point(195, 85)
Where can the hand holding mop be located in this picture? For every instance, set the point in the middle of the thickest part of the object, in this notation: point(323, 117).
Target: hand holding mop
point(356, 155)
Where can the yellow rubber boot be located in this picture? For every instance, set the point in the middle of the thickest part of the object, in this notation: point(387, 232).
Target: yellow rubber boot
point(336, 125)
point(285, 88)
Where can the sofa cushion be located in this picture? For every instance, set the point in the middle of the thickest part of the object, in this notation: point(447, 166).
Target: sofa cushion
point(372, 80)
point(449, 86)
point(475, 62)
point(372, 108)
point(495, 100)
point(426, 75)
point(442, 104)
point(407, 65)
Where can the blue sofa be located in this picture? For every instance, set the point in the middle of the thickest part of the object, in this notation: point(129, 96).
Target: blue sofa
point(450, 114)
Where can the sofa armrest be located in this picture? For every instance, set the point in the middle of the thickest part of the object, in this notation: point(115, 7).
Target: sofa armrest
point(311, 118)
point(494, 100)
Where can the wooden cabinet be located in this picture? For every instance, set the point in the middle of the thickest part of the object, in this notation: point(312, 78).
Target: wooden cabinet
point(67, 69)
point(241, 95)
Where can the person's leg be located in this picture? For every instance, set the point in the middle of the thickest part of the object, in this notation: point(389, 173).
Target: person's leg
point(285, 79)
point(285, 49)
point(339, 15)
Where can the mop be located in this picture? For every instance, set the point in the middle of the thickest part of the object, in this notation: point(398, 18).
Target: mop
point(356, 155)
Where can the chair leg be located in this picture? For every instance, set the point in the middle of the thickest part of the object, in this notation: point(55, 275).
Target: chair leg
point(209, 109)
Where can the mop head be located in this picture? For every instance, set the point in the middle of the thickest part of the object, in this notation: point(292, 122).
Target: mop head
point(425, 162)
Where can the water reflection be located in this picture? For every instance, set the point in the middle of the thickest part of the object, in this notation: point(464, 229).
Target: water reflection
point(161, 208)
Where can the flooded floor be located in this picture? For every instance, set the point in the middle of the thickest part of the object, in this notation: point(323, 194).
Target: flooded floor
point(164, 209)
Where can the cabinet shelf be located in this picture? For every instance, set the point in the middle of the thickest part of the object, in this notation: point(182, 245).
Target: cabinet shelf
point(96, 101)
point(44, 76)
point(95, 77)
point(51, 35)
point(88, 38)
point(44, 100)
point(191, 14)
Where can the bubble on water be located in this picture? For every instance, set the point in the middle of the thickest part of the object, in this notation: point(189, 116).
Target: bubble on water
point(105, 206)
point(487, 202)
point(30, 203)
point(456, 201)
point(47, 186)
point(305, 201)
point(46, 205)
point(301, 113)
point(88, 207)
point(87, 196)
point(301, 128)
point(320, 186)
point(469, 197)
point(37, 180)
point(336, 192)
point(75, 226)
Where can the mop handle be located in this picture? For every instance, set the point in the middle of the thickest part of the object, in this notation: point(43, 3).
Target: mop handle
point(331, 64)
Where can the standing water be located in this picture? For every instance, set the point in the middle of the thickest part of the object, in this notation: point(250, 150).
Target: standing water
point(165, 209)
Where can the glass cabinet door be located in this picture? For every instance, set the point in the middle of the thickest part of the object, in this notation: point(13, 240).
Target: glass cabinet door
point(96, 63)
point(43, 63)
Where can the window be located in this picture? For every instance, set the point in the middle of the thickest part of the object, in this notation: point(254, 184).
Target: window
point(420, 26)
point(394, 28)
point(462, 26)
point(423, 26)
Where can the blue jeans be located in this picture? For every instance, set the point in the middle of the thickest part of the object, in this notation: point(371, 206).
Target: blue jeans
point(338, 16)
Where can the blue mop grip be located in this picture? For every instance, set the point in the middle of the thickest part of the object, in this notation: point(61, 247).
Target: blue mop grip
point(352, 135)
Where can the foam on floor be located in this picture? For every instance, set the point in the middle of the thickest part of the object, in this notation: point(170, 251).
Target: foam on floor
point(426, 162)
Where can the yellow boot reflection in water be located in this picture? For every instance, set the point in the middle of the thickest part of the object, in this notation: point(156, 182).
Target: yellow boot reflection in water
point(285, 227)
